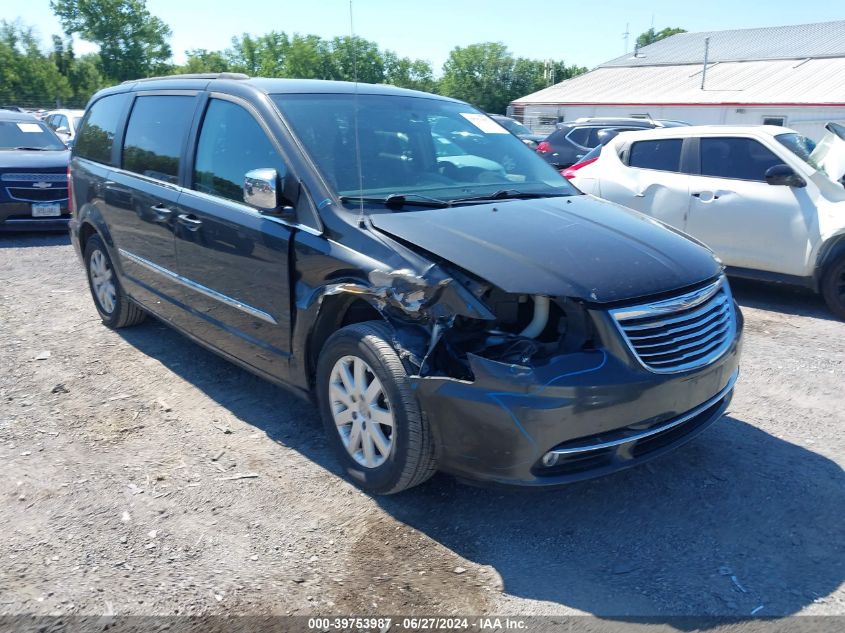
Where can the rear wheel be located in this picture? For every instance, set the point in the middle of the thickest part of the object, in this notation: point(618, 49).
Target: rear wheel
point(370, 412)
point(833, 286)
point(114, 307)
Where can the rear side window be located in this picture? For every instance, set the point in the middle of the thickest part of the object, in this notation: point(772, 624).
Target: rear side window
point(660, 154)
point(155, 134)
point(231, 143)
point(558, 136)
point(96, 137)
point(580, 136)
point(739, 158)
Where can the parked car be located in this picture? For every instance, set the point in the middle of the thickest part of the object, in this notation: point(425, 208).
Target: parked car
point(519, 130)
point(456, 162)
point(33, 175)
point(572, 140)
point(492, 323)
point(64, 123)
point(768, 202)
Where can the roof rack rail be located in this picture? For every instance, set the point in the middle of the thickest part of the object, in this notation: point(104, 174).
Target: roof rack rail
point(238, 76)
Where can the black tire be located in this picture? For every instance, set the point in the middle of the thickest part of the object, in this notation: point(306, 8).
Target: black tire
point(833, 286)
point(124, 313)
point(411, 459)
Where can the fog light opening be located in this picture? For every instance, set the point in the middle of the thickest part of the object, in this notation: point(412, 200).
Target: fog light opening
point(550, 459)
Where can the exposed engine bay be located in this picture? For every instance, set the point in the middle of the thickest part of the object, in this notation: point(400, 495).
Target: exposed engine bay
point(438, 321)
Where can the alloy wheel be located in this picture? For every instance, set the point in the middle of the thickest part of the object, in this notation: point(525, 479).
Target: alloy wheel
point(362, 413)
point(102, 281)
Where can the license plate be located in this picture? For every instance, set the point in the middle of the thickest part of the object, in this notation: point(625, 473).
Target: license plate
point(46, 210)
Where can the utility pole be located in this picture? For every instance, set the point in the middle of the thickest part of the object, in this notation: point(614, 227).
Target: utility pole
point(625, 36)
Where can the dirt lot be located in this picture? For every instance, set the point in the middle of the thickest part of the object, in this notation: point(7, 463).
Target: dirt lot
point(120, 455)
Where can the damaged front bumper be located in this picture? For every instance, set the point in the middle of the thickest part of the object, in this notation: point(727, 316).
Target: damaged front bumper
point(595, 412)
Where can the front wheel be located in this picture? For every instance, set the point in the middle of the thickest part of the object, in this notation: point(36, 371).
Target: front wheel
point(833, 286)
point(370, 412)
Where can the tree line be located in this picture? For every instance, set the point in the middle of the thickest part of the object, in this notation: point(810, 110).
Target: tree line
point(134, 44)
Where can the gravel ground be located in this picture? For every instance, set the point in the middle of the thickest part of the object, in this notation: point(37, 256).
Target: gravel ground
point(143, 475)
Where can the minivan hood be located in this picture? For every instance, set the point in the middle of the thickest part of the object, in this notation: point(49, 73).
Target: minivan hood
point(21, 160)
point(578, 247)
point(830, 152)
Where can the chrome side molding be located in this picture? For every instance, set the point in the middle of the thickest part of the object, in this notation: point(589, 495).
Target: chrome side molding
point(208, 292)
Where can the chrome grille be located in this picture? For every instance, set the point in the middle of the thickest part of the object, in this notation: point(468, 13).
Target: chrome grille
point(21, 177)
point(28, 194)
point(680, 333)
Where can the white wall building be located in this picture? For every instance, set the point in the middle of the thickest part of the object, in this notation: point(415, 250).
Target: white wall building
point(788, 75)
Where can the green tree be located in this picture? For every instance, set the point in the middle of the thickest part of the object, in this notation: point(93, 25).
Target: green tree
point(243, 55)
point(272, 50)
point(85, 79)
point(404, 72)
point(307, 58)
point(133, 43)
point(479, 74)
point(554, 72)
point(28, 77)
point(650, 36)
point(275, 54)
point(489, 77)
point(82, 74)
point(200, 60)
point(354, 58)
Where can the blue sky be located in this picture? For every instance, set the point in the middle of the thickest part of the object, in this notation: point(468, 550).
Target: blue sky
point(586, 33)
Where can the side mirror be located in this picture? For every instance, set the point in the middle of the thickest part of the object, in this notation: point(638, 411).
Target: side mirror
point(264, 190)
point(784, 175)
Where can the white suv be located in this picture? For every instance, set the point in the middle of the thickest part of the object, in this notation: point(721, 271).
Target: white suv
point(766, 200)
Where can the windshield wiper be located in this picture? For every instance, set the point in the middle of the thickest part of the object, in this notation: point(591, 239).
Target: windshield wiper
point(510, 194)
point(399, 200)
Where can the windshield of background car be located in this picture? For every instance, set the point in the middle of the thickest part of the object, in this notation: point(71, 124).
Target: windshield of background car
point(412, 145)
point(801, 146)
point(28, 134)
point(514, 127)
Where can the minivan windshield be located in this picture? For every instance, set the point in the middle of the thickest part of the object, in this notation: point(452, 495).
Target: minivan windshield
point(31, 135)
point(375, 146)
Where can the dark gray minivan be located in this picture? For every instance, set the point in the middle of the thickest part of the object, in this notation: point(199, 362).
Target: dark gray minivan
point(447, 298)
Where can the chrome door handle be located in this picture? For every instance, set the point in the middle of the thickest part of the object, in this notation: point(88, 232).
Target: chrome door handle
point(190, 221)
point(162, 213)
point(698, 195)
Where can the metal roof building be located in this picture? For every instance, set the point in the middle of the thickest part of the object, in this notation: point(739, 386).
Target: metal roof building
point(788, 75)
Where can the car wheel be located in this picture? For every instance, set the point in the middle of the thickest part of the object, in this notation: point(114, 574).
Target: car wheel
point(833, 287)
point(370, 412)
point(114, 307)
